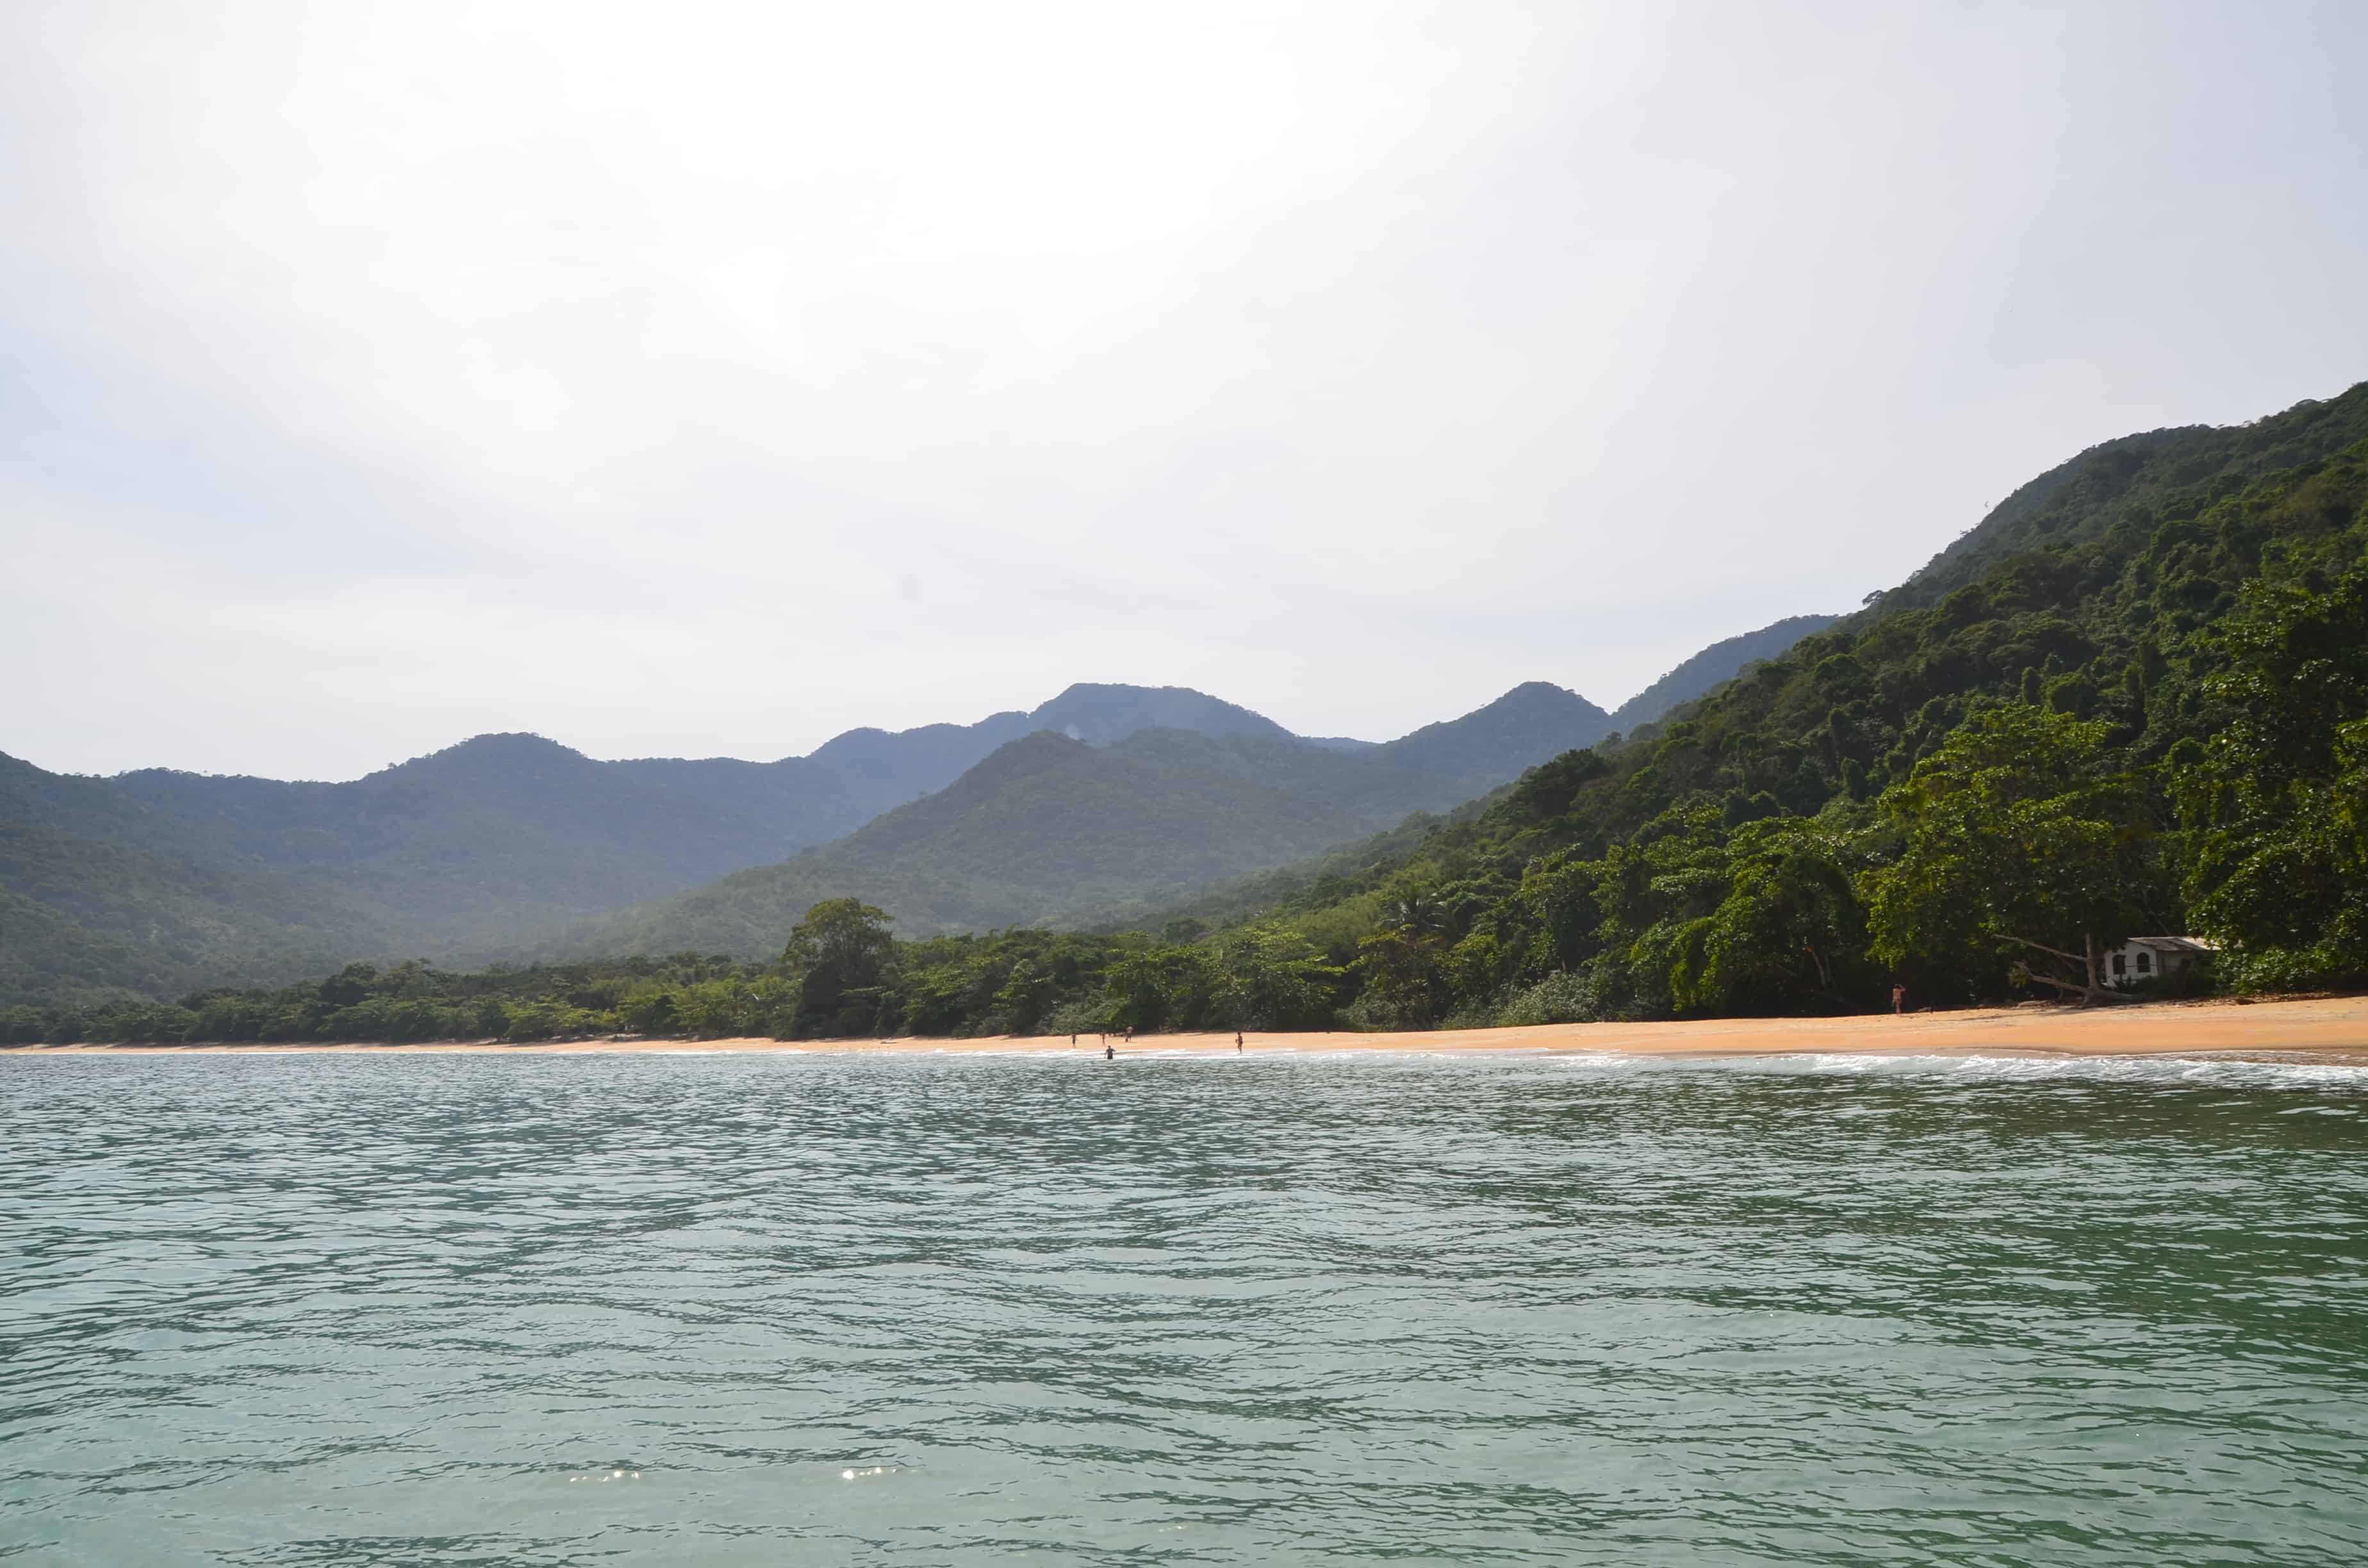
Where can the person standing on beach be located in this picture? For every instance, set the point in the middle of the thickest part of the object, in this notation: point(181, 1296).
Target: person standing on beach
point(1238, 1040)
point(1899, 998)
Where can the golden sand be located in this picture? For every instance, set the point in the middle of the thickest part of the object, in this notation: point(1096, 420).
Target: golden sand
point(2333, 1028)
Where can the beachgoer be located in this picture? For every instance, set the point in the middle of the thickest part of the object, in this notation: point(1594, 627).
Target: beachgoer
point(1110, 1051)
point(1238, 1040)
point(1899, 998)
point(1130, 1034)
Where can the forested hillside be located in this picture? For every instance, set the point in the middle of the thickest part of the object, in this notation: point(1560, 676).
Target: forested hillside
point(2142, 708)
point(156, 879)
point(2132, 700)
point(1713, 667)
point(2128, 483)
point(155, 882)
point(87, 916)
point(1050, 829)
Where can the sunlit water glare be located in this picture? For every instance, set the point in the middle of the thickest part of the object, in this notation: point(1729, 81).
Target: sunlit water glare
point(785, 1308)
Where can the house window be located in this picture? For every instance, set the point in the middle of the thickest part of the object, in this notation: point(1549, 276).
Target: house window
point(2146, 961)
point(2120, 964)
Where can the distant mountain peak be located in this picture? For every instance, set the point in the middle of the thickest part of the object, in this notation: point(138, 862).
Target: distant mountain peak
point(1528, 702)
point(1492, 744)
point(508, 742)
point(1098, 713)
point(501, 753)
point(1542, 693)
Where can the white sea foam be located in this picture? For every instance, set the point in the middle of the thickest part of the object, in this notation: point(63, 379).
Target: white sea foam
point(2207, 1072)
point(1936, 1067)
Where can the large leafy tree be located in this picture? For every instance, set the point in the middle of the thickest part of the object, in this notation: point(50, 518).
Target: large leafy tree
point(2276, 802)
point(1271, 977)
point(1405, 963)
point(1791, 931)
point(2017, 830)
point(1161, 987)
point(840, 952)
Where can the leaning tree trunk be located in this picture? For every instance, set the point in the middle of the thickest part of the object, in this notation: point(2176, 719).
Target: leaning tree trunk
point(2092, 989)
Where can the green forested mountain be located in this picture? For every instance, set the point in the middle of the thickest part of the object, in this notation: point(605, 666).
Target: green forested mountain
point(158, 881)
point(2133, 699)
point(91, 916)
point(1053, 829)
point(1490, 745)
point(865, 772)
point(1713, 667)
point(442, 854)
point(2127, 484)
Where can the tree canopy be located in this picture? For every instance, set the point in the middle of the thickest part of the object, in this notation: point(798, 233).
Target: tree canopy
point(2019, 829)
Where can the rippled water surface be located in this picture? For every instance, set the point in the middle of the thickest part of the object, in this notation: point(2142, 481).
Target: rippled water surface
point(600, 1310)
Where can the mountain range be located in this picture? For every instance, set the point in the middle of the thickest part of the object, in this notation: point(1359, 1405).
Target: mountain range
point(1050, 829)
point(2167, 630)
point(514, 846)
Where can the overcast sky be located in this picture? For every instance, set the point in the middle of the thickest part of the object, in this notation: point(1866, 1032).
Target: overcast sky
point(675, 379)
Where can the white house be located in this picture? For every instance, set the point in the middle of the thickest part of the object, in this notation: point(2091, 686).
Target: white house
point(2153, 957)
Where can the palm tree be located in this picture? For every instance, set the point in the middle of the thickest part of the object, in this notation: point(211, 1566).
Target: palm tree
point(1414, 913)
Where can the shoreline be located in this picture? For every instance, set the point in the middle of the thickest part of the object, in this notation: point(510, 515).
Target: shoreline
point(2326, 1028)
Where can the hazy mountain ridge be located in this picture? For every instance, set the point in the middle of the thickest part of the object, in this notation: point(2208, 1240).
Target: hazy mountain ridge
point(460, 851)
point(159, 879)
point(1713, 667)
point(1015, 840)
point(81, 915)
point(1048, 830)
point(1298, 881)
point(156, 881)
point(2202, 672)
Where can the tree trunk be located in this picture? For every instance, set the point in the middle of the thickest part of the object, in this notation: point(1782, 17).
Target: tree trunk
point(2092, 990)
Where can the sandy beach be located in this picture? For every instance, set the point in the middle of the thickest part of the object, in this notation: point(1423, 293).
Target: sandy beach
point(2328, 1029)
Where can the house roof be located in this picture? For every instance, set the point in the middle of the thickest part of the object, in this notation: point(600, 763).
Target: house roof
point(2175, 944)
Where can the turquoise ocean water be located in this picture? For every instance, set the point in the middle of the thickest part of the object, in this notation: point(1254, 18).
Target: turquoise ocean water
point(317, 1310)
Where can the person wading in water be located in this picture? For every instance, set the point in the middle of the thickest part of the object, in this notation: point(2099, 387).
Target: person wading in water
point(1110, 1051)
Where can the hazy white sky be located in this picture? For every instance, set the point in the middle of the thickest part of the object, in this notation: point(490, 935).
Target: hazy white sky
point(692, 379)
